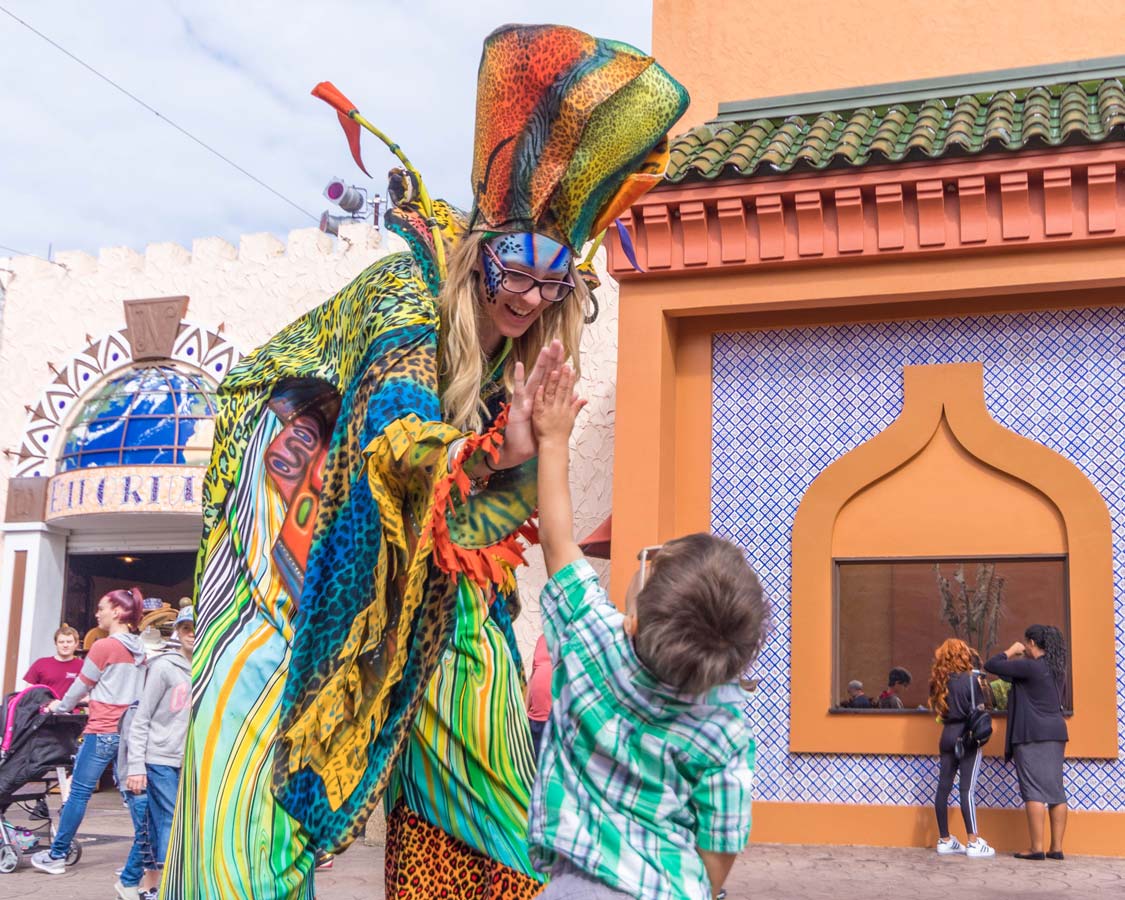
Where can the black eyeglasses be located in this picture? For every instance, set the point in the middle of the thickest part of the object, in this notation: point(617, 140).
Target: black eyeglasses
point(520, 282)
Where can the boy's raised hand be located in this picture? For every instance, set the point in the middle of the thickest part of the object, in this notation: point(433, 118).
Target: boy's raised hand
point(556, 406)
point(552, 419)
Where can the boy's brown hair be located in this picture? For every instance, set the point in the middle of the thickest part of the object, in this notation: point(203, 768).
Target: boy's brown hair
point(701, 617)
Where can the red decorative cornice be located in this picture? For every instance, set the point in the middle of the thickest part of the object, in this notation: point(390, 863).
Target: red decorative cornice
point(952, 206)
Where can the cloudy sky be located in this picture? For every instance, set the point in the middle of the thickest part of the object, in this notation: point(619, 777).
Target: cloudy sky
point(83, 167)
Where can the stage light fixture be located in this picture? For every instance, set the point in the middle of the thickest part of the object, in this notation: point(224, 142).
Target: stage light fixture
point(330, 224)
point(348, 197)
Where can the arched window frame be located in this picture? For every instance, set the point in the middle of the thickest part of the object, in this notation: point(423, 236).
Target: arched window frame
point(124, 447)
point(195, 346)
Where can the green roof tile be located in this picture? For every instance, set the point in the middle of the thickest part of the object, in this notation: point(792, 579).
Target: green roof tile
point(1048, 115)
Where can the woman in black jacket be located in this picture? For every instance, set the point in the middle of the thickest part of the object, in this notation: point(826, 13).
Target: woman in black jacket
point(953, 695)
point(1037, 732)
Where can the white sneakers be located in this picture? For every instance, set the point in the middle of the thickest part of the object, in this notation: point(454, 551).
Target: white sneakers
point(946, 846)
point(978, 849)
point(126, 892)
point(44, 862)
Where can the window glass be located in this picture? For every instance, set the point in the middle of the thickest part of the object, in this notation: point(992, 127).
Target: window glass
point(150, 431)
point(144, 416)
point(892, 614)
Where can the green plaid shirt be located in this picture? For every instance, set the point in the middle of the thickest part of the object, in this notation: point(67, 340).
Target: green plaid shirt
point(633, 777)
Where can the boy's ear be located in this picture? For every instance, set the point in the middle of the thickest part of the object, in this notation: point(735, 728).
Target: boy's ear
point(629, 623)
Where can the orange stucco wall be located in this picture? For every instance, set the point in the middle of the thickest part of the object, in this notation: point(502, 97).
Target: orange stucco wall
point(753, 49)
point(741, 51)
point(663, 452)
point(663, 467)
point(946, 492)
point(943, 448)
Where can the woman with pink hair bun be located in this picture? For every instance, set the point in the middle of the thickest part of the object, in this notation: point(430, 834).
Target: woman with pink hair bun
point(112, 675)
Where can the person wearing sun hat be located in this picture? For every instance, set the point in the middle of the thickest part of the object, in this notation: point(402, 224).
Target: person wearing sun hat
point(373, 467)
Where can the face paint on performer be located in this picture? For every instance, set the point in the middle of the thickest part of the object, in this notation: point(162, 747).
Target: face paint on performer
point(522, 273)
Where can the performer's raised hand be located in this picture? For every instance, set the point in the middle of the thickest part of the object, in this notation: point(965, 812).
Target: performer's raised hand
point(550, 359)
point(519, 440)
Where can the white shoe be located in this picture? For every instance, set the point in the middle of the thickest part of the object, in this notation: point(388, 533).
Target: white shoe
point(44, 862)
point(126, 893)
point(979, 849)
point(950, 845)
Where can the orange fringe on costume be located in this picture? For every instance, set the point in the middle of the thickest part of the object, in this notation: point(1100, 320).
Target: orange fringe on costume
point(484, 566)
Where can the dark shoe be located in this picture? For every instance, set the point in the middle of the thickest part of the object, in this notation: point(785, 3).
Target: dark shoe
point(39, 811)
point(1036, 856)
point(1055, 854)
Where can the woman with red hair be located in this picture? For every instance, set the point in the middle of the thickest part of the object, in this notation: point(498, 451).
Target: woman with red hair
point(113, 675)
point(953, 696)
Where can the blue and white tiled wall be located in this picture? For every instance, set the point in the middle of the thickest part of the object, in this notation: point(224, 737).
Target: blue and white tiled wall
point(788, 403)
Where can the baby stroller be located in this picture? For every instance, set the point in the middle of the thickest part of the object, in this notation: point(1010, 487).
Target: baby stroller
point(34, 747)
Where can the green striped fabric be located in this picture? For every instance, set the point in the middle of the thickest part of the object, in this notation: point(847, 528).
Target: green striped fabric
point(468, 765)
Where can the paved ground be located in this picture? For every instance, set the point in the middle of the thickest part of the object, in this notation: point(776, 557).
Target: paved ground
point(764, 872)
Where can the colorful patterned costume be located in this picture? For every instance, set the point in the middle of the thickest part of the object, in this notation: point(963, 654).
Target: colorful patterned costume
point(353, 595)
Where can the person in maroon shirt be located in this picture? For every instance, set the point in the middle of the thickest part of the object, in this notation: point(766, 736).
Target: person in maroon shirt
point(59, 671)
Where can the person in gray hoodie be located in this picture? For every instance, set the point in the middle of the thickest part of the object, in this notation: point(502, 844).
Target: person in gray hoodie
point(112, 674)
point(155, 750)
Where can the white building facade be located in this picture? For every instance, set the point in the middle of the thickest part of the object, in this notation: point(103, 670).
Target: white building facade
point(109, 367)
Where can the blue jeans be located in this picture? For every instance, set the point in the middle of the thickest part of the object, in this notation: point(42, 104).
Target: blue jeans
point(97, 752)
point(140, 854)
point(163, 785)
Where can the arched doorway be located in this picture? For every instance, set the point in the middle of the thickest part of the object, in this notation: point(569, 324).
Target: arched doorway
point(107, 486)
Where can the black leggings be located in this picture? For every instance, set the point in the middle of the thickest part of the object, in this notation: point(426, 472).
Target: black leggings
point(969, 768)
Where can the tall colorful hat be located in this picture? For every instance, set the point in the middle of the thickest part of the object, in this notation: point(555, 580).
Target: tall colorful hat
point(571, 131)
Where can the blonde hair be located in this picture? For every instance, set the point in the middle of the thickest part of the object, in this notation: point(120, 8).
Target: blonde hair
point(462, 362)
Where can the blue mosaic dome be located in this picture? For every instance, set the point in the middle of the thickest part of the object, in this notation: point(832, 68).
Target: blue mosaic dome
point(146, 416)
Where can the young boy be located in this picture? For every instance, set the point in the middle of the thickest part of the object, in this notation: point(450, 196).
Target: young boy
point(647, 761)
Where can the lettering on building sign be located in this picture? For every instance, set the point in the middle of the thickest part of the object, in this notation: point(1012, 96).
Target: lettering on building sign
point(121, 490)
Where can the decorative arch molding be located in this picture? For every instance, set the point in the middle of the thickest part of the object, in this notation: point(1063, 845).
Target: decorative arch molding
point(195, 345)
point(937, 397)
